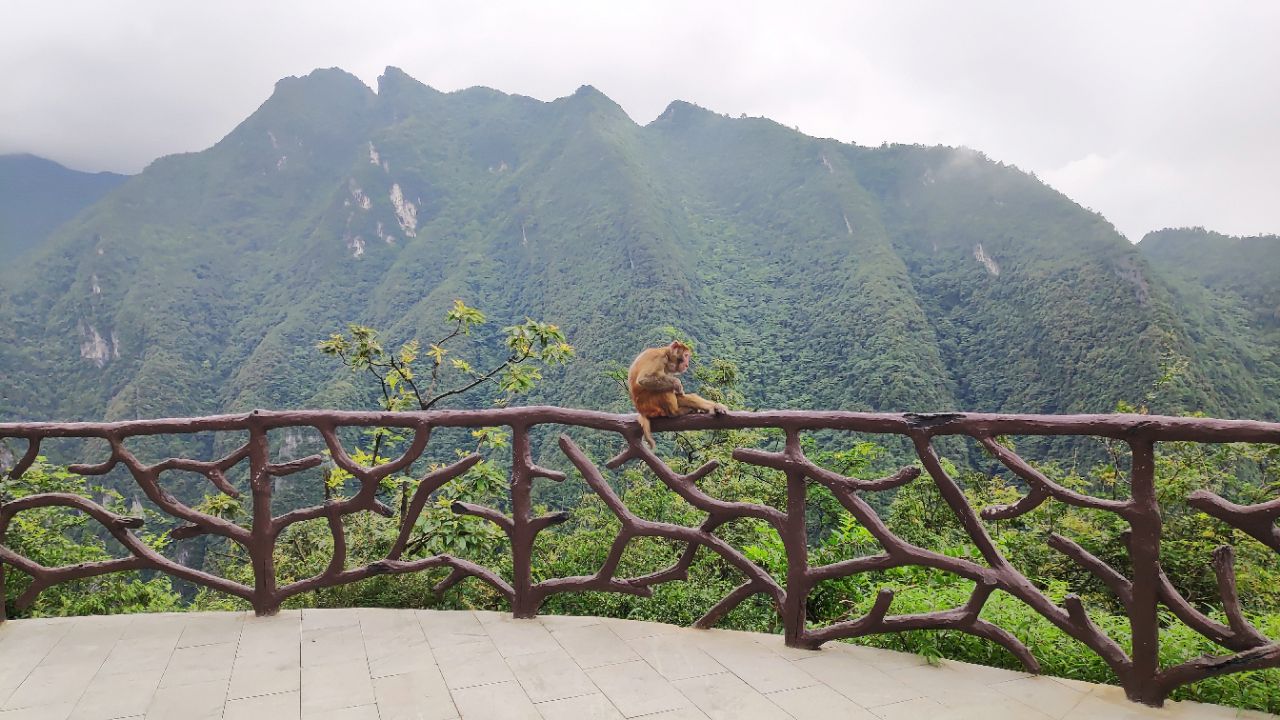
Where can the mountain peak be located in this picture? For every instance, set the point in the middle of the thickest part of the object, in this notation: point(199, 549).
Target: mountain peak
point(321, 90)
point(590, 97)
point(333, 77)
point(394, 81)
point(682, 111)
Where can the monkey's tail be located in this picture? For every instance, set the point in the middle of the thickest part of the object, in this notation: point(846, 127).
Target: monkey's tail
point(648, 433)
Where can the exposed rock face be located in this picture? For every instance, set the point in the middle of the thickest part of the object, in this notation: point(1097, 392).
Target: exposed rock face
point(406, 212)
point(95, 348)
point(987, 261)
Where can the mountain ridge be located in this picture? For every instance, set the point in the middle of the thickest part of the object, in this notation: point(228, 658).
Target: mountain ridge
point(37, 195)
point(834, 275)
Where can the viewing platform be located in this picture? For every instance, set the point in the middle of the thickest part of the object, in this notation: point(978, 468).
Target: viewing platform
point(375, 664)
point(489, 665)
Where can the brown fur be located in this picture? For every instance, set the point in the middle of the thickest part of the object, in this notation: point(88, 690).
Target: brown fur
point(656, 390)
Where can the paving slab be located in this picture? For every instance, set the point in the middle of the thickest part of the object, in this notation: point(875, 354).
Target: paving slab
point(374, 664)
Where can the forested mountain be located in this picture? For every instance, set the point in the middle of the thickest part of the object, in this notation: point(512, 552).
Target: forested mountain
point(833, 275)
point(1227, 289)
point(38, 195)
point(1242, 269)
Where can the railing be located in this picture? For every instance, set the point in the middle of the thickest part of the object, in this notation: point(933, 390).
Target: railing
point(1137, 668)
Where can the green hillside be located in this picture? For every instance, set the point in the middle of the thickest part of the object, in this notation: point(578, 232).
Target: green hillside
point(834, 275)
point(36, 196)
point(1227, 292)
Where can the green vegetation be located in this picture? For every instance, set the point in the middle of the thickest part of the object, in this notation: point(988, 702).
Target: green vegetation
point(833, 275)
point(411, 378)
point(55, 537)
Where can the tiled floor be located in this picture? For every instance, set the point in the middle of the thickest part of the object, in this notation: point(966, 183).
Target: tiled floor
point(434, 665)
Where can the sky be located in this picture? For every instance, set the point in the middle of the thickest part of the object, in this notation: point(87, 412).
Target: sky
point(1156, 114)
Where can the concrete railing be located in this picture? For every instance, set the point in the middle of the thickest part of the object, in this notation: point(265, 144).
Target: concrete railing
point(1140, 593)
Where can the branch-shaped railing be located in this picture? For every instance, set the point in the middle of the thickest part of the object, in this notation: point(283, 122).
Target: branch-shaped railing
point(1140, 594)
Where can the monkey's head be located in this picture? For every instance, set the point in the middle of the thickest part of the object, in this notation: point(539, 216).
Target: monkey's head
point(677, 357)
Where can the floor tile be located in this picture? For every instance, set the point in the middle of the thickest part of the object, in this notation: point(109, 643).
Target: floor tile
point(863, 684)
point(520, 637)
point(684, 713)
point(41, 712)
point(445, 628)
point(915, 709)
point(991, 709)
point(117, 696)
point(727, 697)
point(269, 635)
point(776, 645)
point(550, 675)
point(156, 629)
point(386, 623)
point(52, 685)
point(211, 631)
point(675, 656)
point(328, 645)
point(952, 684)
point(420, 695)
point(336, 686)
point(281, 706)
point(477, 663)
point(566, 622)
point(1051, 698)
point(322, 618)
point(82, 649)
point(137, 655)
point(500, 701)
point(763, 670)
point(1111, 703)
point(248, 681)
point(400, 656)
point(984, 674)
point(583, 707)
point(878, 658)
point(637, 689)
point(594, 645)
point(629, 629)
point(819, 703)
point(199, 664)
point(203, 701)
point(27, 643)
point(360, 712)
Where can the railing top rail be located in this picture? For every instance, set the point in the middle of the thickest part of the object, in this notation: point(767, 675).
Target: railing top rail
point(1121, 426)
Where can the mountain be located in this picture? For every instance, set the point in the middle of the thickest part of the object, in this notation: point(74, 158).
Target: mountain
point(1228, 290)
point(1245, 269)
point(834, 275)
point(37, 195)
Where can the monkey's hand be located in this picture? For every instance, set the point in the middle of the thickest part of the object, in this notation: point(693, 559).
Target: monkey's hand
point(719, 409)
point(679, 386)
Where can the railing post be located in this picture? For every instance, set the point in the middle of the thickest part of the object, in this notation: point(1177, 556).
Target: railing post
point(262, 539)
point(795, 542)
point(1144, 555)
point(522, 533)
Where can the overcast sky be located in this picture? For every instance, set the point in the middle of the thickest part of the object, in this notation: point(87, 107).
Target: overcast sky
point(1157, 115)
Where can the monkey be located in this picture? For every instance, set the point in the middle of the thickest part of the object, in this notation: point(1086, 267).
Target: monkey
point(656, 391)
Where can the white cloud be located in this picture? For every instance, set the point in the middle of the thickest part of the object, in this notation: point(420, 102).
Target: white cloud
point(1153, 113)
